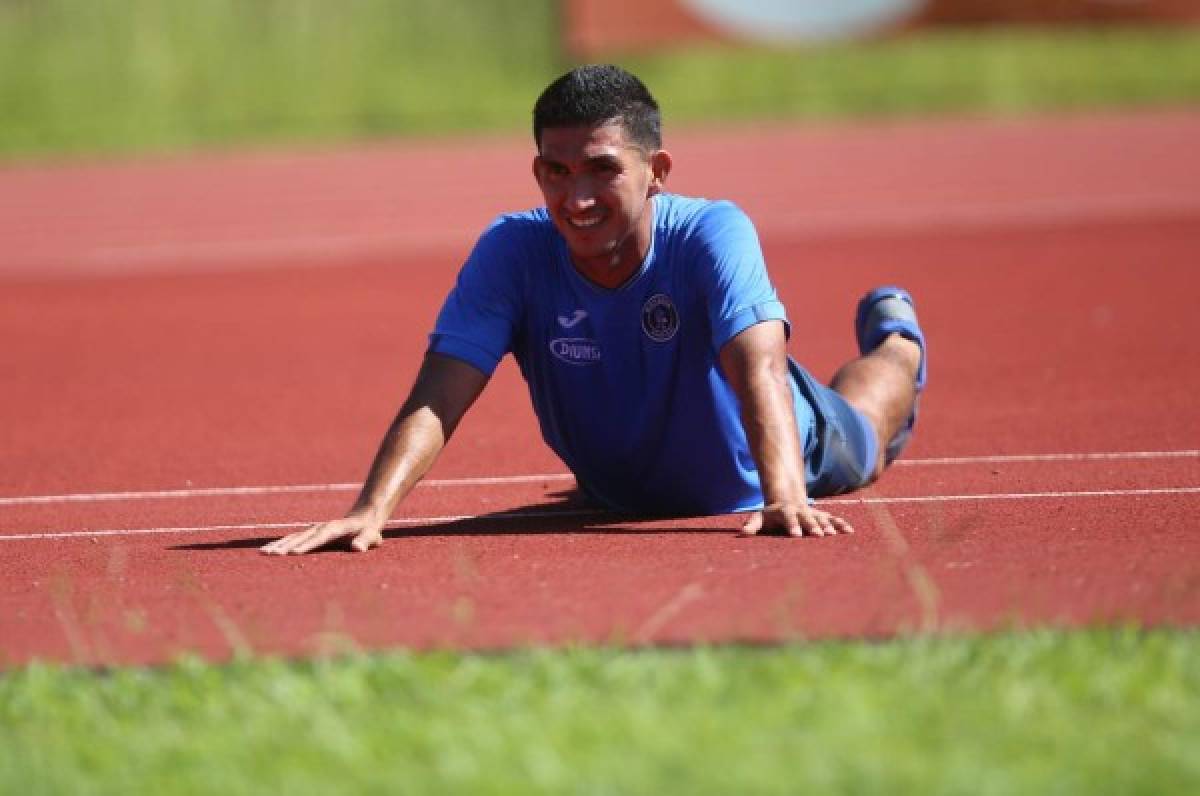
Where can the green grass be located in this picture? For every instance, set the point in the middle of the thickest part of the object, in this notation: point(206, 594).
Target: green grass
point(997, 72)
point(81, 76)
point(1104, 711)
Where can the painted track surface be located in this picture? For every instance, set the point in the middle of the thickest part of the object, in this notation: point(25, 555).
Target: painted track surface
point(179, 329)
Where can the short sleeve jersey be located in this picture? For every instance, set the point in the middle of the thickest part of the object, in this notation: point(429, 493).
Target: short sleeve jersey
point(625, 382)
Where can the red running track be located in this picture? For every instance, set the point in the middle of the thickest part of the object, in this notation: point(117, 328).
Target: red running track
point(201, 354)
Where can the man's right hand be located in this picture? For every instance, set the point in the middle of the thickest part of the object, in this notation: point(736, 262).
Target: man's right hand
point(445, 388)
point(364, 533)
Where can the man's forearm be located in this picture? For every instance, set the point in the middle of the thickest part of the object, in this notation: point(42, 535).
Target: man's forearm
point(757, 367)
point(756, 364)
point(443, 391)
point(770, 423)
point(407, 451)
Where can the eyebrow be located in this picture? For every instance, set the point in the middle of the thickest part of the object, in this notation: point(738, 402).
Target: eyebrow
point(603, 160)
point(594, 160)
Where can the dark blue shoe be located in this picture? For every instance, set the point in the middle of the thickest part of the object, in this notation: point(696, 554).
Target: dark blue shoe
point(882, 312)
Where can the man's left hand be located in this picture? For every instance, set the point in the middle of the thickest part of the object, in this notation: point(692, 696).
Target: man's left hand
point(795, 520)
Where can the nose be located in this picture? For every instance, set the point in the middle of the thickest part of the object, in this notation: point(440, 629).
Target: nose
point(581, 194)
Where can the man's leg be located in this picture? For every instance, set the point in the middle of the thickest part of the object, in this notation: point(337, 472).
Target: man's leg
point(884, 382)
point(880, 384)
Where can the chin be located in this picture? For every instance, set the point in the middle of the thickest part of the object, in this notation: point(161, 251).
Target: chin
point(590, 249)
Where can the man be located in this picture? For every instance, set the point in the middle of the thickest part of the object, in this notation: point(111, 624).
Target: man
point(652, 342)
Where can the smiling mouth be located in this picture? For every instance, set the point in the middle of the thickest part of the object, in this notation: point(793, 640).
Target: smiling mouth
point(585, 223)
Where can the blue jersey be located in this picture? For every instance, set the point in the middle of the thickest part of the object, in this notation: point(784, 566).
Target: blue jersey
point(625, 382)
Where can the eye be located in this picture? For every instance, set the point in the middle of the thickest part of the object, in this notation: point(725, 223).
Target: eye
point(606, 167)
point(553, 170)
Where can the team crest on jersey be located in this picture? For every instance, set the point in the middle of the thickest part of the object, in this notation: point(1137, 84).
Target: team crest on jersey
point(576, 350)
point(660, 319)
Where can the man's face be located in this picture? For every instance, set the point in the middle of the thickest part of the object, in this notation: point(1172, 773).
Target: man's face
point(597, 185)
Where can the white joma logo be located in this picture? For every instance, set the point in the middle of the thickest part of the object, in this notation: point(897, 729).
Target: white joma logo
point(574, 320)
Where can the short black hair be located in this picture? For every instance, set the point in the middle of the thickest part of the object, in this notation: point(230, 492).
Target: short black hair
point(597, 93)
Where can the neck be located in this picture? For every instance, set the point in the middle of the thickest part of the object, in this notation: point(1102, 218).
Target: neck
point(608, 274)
point(611, 270)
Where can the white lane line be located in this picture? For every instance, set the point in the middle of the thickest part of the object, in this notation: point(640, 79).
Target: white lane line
point(1051, 457)
point(236, 491)
point(520, 515)
point(1171, 490)
point(283, 526)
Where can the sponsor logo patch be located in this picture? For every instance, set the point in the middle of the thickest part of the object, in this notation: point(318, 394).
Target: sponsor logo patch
point(660, 319)
point(573, 321)
point(576, 350)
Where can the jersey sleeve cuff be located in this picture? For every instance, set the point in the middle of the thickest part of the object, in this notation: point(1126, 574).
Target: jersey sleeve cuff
point(479, 358)
point(748, 316)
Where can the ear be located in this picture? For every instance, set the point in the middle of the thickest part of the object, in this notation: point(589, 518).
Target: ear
point(660, 167)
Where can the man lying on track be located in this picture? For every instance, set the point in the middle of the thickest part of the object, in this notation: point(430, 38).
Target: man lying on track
point(652, 341)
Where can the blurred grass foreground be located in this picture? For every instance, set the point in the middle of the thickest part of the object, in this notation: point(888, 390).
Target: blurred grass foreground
point(80, 76)
point(1083, 713)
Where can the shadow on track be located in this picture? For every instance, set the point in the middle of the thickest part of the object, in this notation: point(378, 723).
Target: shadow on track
point(573, 513)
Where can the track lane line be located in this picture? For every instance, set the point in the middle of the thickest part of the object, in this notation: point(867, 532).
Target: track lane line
point(237, 491)
point(283, 526)
point(520, 515)
point(1049, 457)
point(1157, 491)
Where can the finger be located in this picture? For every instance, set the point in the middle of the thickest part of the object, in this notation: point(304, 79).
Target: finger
point(754, 524)
point(794, 525)
point(319, 537)
point(807, 523)
point(301, 541)
point(832, 524)
point(281, 546)
point(366, 540)
point(311, 538)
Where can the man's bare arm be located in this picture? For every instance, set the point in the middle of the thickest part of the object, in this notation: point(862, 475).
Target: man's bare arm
point(444, 390)
point(755, 362)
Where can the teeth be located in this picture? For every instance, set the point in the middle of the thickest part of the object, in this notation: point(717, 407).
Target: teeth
point(585, 222)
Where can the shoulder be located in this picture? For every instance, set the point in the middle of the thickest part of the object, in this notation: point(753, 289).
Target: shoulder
point(511, 242)
point(524, 228)
point(705, 221)
point(717, 244)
